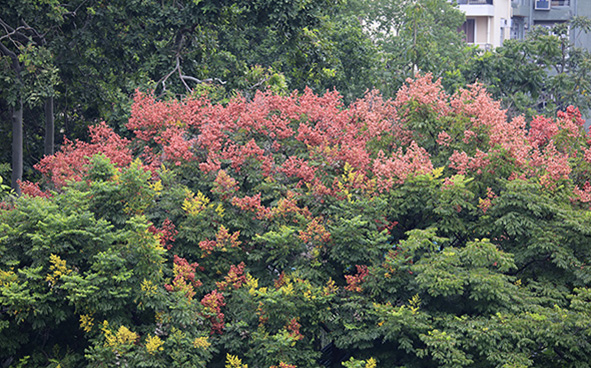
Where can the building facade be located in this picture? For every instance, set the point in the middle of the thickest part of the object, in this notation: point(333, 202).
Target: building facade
point(488, 22)
point(547, 13)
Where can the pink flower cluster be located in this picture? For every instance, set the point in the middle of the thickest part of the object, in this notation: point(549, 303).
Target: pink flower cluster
point(184, 278)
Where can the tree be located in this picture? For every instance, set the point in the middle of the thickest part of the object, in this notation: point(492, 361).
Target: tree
point(101, 52)
point(541, 74)
point(28, 71)
point(290, 230)
point(416, 36)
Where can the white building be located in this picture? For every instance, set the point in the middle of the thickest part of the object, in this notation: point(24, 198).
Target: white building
point(488, 22)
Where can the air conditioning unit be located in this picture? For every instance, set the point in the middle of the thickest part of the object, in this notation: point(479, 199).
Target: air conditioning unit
point(543, 5)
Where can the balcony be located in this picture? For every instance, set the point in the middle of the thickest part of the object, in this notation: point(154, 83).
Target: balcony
point(475, 2)
point(477, 8)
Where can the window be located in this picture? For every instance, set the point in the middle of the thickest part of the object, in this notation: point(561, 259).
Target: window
point(560, 3)
point(548, 4)
point(542, 5)
point(475, 2)
point(468, 29)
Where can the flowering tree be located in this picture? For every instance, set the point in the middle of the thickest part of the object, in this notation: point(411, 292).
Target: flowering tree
point(282, 231)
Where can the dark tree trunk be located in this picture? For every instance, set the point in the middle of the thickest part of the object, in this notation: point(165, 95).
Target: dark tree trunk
point(49, 127)
point(17, 145)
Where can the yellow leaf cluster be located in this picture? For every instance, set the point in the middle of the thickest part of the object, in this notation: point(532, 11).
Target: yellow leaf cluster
point(371, 363)
point(252, 284)
point(7, 278)
point(232, 361)
point(220, 210)
point(157, 187)
point(59, 268)
point(148, 287)
point(201, 342)
point(194, 203)
point(287, 289)
point(86, 322)
point(123, 336)
point(154, 344)
point(414, 303)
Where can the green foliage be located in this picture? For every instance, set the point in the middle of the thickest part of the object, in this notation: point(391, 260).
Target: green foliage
point(335, 240)
point(416, 36)
point(542, 74)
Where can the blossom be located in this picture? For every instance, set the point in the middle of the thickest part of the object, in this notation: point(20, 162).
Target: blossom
point(224, 241)
point(315, 231)
point(224, 185)
point(235, 277)
point(165, 234)
point(400, 165)
point(443, 139)
point(32, 189)
point(293, 328)
point(354, 281)
point(71, 162)
point(154, 344)
point(86, 322)
point(486, 203)
point(59, 268)
point(201, 343)
point(283, 365)
point(184, 277)
point(213, 303)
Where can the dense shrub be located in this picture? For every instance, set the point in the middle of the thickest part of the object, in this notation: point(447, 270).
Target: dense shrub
point(287, 231)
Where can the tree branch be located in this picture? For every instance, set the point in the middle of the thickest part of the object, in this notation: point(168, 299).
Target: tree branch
point(193, 79)
point(15, 63)
point(165, 78)
point(182, 80)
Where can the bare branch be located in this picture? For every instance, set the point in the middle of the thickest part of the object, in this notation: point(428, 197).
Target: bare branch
point(165, 78)
point(9, 53)
point(6, 27)
point(41, 39)
point(193, 79)
point(207, 80)
point(259, 83)
point(182, 80)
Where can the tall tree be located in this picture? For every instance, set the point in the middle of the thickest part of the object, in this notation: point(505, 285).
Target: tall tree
point(104, 50)
point(415, 36)
point(542, 74)
point(29, 73)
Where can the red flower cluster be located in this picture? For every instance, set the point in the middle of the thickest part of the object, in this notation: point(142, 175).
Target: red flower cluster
point(224, 185)
point(71, 162)
point(315, 232)
point(184, 278)
point(213, 303)
point(354, 281)
point(166, 234)
point(235, 278)
point(32, 189)
point(224, 240)
point(293, 327)
point(283, 365)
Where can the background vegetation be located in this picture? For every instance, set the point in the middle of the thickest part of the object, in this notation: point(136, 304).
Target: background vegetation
point(220, 217)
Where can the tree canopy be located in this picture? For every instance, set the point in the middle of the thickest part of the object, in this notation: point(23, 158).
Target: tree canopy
point(84, 59)
point(541, 74)
point(292, 230)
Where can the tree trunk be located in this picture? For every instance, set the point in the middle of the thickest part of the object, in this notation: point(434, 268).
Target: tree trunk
point(49, 127)
point(17, 145)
